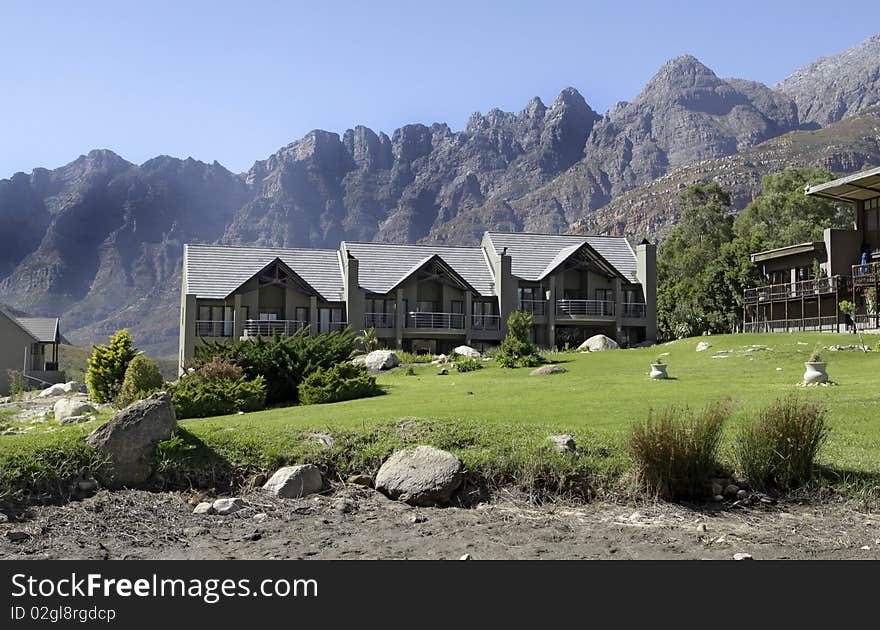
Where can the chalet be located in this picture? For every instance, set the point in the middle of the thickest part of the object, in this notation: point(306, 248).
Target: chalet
point(29, 345)
point(423, 298)
point(806, 282)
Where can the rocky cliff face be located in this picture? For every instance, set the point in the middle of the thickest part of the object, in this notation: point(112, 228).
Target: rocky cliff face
point(99, 241)
point(833, 88)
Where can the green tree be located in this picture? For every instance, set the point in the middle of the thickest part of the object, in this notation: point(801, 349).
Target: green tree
point(108, 364)
point(516, 349)
point(141, 377)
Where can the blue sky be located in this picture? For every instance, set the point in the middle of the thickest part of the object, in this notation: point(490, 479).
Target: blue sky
point(234, 81)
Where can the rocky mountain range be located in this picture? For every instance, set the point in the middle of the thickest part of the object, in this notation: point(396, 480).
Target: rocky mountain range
point(99, 241)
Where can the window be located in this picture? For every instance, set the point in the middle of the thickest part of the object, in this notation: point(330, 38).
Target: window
point(301, 314)
point(457, 306)
point(329, 319)
point(605, 295)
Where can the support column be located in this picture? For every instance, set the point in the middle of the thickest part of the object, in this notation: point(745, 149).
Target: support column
point(399, 319)
point(313, 315)
point(237, 319)
point(468, 319)
point(618, 310)
point(550, 313)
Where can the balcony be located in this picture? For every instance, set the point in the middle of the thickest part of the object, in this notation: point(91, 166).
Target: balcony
point(270, 327)
point(215, 328)
point(584, 309)
point(790, 290)
point(485, 322)
point(535, 307)
point(379, 320)
point(634, 310)
point(866, 275)
point(448, 321)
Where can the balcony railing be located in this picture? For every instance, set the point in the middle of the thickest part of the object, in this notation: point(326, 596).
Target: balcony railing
point(213, 328)
point(435, 320)
point(634, 310)
point(866, 275)
point(269, 327)
point(799, 289)
point(819, 324)
point(485, 322)
point(379, 320)
point(535, 307)
point(328, 327)
point(585, 308)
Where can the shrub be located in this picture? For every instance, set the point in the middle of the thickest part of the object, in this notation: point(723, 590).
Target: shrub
point(675, 453)
point(343, 381)
point(846, 307)
point(409, 357)
point(368, 339)
point(16, 383)
point(203, 398)
point(516, 349)
point(141, 376)
point(107, 366)
point(283, 362)
point(217, 369)
point(468, 364)
point(779, 448)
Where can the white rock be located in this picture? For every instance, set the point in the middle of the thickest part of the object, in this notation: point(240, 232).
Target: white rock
point(544, 370)
point(292, 482)
point(703, 345)
point(466, 556)
point(204, 508)
point(228, 506)
point(742, 556)
point(68, 407)
point(423, 476)
point(381, 360)
point(467, 351)
point(564, 444)
point(598, 343)
point(54, 390)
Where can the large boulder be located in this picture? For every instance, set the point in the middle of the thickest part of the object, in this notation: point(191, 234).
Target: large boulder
point(544, 370)
point(467, 351)
point(598, 343)
point(53, 390)
point(423, 476)
point(292, 482)
point(129, 439)
point(381, 360)
point(69, 407)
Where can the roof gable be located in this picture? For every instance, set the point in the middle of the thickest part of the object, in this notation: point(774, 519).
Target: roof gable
point(436, 261)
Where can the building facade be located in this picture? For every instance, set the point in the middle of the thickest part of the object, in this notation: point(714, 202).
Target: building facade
point(423, 298)
point(29, 345)
point(806, 282)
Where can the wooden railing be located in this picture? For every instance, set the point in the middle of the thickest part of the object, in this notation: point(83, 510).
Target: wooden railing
point(866, 275)
point(799, 289)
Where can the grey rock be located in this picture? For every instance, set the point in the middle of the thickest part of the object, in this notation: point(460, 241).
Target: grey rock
point(466, 556)
point(228, 505)
point(71, 407)
point(292, 482)
point(53, 390)
point(204, 508)
point(129, 439)
point(324, 439)
point(3, 518)
point(598, 343)
point(76, 419)
point(545, 370)
point(742, 556)
point(731, 490)
point(87, 485)
point(17, 536)
point(742, 494)
point(467, 351)
point(703, 346)
point(423, 476)
point(361, 480)
point(344, 506)
point(381, 360)
point(564, 444)
point(718, 498)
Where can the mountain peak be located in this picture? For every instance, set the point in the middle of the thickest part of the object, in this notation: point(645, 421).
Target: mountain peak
point(681, 73)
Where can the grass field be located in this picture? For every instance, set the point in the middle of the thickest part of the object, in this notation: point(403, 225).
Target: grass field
point(497, 420)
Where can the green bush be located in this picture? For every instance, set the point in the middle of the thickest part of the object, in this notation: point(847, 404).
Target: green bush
point(468, 364)
point(516, 350)
point(675, 453)
point(343, 381)
point(779, 447)
point(107, 366)
point(202, 399)
point(141, 376)
point(283, 362)
point(409, 357)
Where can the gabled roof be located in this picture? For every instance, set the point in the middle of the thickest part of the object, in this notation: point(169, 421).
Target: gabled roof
point(855, 187)
point(215, 271)
point(41, 329)
point(533, 254)
point(434, 259)
point(382, 266)
point(567, 252)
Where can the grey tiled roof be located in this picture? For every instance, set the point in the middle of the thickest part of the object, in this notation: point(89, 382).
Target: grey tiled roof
point(215, 271)
point(382, 266)
point(43, 329)
point(534, 255)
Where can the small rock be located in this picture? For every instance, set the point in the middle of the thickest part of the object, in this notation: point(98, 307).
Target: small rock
point(466, 556)
point(3, 518)
point(17, 536)
point(324, 439)
point(544, 370)
point(228, 506)
point(717, 488)
point(443, 372)
point(204, 508)
point(564, 444)
point(702, 527)
point(344, 506)
point(703, 345)
point(253, 537)
point(742, 556)
point(261, 517)
point(865, 548)
point(87, 485)
point(718, 498)
point(292, 482)
point(361, 480)
point(418, 518)
point(76, 419)
point(423, 475)
point(731, 490)
point(742, 494)
point(195, 531)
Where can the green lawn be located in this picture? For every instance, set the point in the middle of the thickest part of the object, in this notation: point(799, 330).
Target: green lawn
point(498, 419)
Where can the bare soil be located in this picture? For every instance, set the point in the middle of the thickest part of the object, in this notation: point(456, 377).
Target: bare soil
point(355, 522)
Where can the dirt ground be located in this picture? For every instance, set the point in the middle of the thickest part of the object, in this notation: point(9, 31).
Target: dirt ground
point(355, 522)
